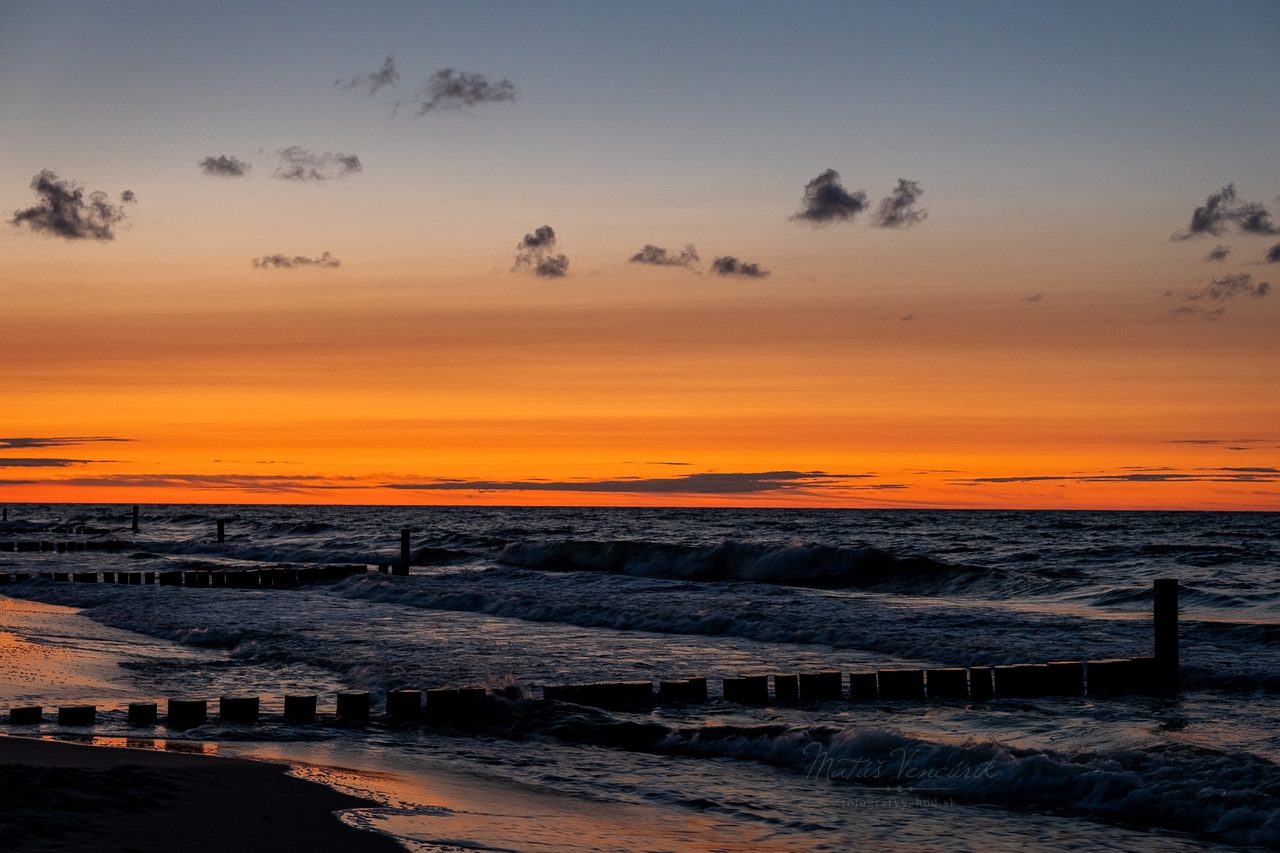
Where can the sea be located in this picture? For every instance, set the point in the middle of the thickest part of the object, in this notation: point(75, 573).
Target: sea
point(514, 599)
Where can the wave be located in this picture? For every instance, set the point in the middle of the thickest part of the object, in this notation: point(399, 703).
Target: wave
point(1231, 795)
point(824, 566)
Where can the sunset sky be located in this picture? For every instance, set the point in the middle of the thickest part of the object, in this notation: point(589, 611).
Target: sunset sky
point(1042, 278)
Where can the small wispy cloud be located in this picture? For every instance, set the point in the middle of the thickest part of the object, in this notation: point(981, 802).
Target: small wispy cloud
point(826, 201)
point(731, 266)
point(450, 89)
point(655, 256)
point(28, 462)
point(1035, 297)
point(300, 164)
point(325, 261)
point(63, 210)
point(384, 76)
point(705, 484)
point(898, 210)
point(536, 253)
point(224, 166)
point(1273, 255)
point(1218, 253)
point(27, 442)
point(1224, 211)
point(1222, 289)
point(1139, 474)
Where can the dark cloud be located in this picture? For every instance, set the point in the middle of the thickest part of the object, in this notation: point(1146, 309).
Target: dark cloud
point(25, 462)
point(223, 166)
point(897, 210)
point(536, 253)
point(26, 443)
point(299, 164)
point(326, 260)
point(1224, 210)
point(1145, 475)
point(1218, 253)
point(706, 484)
point(908, 318)
point(1273, 255)
point(1033, 298)
point(826, 200)
point(454, 90)
point(1229, 287)
point(384, 76)
point(729, 265)
point(659, 257)
point(238, 482)
point(64, 210)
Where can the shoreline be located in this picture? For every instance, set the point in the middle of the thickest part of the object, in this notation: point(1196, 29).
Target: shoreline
point(64, 796)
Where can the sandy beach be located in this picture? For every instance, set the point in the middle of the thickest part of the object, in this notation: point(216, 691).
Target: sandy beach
point(60, 796)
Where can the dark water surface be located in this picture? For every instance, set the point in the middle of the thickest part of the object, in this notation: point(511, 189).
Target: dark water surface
point(527, 597)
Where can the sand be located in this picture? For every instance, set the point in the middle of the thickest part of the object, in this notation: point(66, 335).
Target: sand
point(60, 796)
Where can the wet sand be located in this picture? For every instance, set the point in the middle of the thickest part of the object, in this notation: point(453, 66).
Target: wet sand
point(60, 796)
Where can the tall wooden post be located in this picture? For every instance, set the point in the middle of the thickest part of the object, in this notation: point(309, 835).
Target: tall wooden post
point(135, 518)
point(1166, 620)
point(222, 531)
point(403, 568)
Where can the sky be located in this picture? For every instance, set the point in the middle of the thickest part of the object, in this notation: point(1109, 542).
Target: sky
point(916, 254)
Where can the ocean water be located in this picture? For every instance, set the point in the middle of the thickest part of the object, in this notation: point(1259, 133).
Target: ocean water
point(524, 597)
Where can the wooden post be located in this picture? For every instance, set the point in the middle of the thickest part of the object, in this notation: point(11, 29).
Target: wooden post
point(222, 531)
point(135, 518)
point(404, 552)
point(1166, 623)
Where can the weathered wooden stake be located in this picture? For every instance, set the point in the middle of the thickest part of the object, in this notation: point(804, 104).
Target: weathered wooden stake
point(404, 552)
point(222, 531)
point(135, 518)
point(1166, 619)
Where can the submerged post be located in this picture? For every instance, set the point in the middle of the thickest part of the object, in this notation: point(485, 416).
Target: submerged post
point(1166, 621)
point(222, 530)
point(135, 518)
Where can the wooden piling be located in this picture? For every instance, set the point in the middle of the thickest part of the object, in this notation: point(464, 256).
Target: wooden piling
point(142, 713)
point(222, 531)
point(135, 518)
point(187, 713)
point(354, 707)
point(29, 716)
point(1166, 625)
point(300, 709)
point(77, 715)
point(404, 704)
point(948, 684)
point(402, 568)
point(750, 690)
point(238, 709)
point(901, 684)
point(786, 689)
point(862, 687)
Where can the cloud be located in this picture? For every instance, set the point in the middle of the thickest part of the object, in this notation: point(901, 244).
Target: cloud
point(454, 90)
point(1229, 287)
point(64, 211)
point(1218, 253)
point(224, 167)
point(299, 164)
point(384, 76)
point(908, 318)
point(25, 462)
point(826, 200)
point(1273, 255)
point(27, 443)
point(1144, 475)
point(1034, 298)
point(729, 265)
point(326, 260)
point(214, 482)
point(897, 210)
point(703, 484)
point(1224, 210)
point(658, 257)
point(535, 253)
